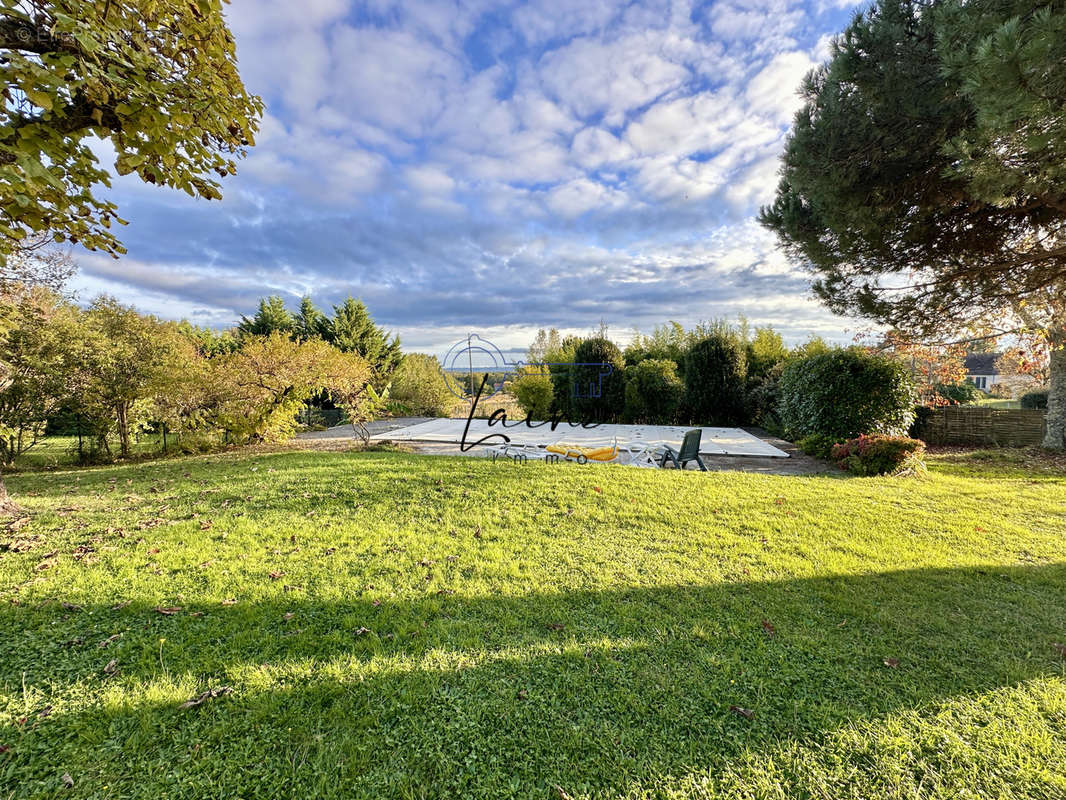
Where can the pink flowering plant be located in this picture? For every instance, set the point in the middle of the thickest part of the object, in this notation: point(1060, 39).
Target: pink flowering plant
point(880, 454)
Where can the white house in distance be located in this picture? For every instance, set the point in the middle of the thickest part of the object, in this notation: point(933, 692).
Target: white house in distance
point(981, 370)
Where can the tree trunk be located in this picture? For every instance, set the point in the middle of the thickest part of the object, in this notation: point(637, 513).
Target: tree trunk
point(1056, 399)
point(8, 507)
point(123, 430)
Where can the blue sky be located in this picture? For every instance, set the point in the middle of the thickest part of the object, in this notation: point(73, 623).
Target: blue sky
point(495, 167)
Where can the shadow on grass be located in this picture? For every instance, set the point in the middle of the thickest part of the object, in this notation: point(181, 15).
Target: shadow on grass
point(595, 691)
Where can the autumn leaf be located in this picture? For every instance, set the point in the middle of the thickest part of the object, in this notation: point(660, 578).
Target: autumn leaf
point(1061, 648)
point(288, 615)
point(167, 610)
point(891, 662)
point(275, 575)
point(747, 713)
point(67, 780)
point(768, 627)
point(120, 605)
point(230, 602)
point(597, 490)
point(556, 626)
point(109, 640)
point(112, 667)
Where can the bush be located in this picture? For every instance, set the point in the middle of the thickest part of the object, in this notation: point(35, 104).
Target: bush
point(534, 393)
point(653, 392)
point(846, 393)
point(764, 397)
point(1035, 400)
point(715, 371)
point(419, 386)
point(611, 402)
point(817, 445)
point(881, 455)
point(959, 393)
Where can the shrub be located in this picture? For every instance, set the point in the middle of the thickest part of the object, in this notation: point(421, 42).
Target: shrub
point(534, 394)
point(1035, 400)
point(419, 385)
point(845, 393)
point(586, 379)
point(959, 393)
point(817, 445)
point(653, 392)
point(881, 455)
point(715, 370)
point(764, 397)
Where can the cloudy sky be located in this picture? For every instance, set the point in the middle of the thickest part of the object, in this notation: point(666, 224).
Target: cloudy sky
point(496, 167)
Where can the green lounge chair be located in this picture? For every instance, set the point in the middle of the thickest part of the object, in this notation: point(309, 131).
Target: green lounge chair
point(690, 451)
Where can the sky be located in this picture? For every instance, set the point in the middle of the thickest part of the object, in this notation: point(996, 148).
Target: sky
point(495, 167)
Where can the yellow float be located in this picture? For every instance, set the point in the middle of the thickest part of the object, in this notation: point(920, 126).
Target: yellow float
point(583, 454)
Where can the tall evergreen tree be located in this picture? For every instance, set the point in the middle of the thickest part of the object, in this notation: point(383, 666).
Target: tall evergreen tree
point(309, 322)
point(923, 181)
point(270, 317)
point(352, 330)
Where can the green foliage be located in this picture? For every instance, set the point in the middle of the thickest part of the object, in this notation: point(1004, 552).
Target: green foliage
point(1035, 400)
point(559, 372)
point(308, 322)
point(764, 352)
point(352, 330)
point(817, 445)
point(534, 392)
point(959, 393)
point(271, 317)
point(878, 454)
point(653, 392)
point(715, 373)
point(208, 341)
point(158, 83)
point(846, 393)
point(592, 358)
point(420, 386)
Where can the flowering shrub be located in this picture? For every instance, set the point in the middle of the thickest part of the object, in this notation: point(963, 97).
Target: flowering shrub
point(878, 454)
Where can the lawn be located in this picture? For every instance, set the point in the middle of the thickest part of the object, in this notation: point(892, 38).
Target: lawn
point(387, 625)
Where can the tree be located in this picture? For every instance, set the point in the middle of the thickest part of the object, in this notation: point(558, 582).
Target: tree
point(255, 392)
point(764, 351)
point(157, 81)
point(653, 392)
point(121, 359)
point(923, 181)
point(309, 322)
point(419, 384)
point(37, 261)
point(352, 330)
point(38, 327)
point(270, 317)
point(597, 381)
point(715, 376)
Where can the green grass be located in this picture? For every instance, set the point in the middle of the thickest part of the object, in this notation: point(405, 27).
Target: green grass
point(394, 625)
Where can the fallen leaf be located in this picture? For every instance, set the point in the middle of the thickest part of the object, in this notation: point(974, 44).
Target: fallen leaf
point(67, 780)
point(597, 490)
point(891, 662)
point(167, 610)
point(203, 697)
point(231, 602)
point(206, 525)
point(45, 712)
point(562, 793)
point(288, 615)
point(362, 631)
point(71, 606)
point(153, 550)
point(768, 627)
point(275, 575)
point(112, 667)
point(1061, 648)
point(121, 605)
point(15, 524)
point(522, 694)
point(109, 640)
point(842, 624)
point(747, 713)
point(556, 626)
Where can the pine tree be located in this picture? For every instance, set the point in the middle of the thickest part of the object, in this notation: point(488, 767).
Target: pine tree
point(271, 317)
point(352, 330)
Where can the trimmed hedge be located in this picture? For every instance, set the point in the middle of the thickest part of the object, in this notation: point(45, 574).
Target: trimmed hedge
point(846, 393)
point(881, 455)
point(715, 373)
point(1035, 400)
point(609, 406)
